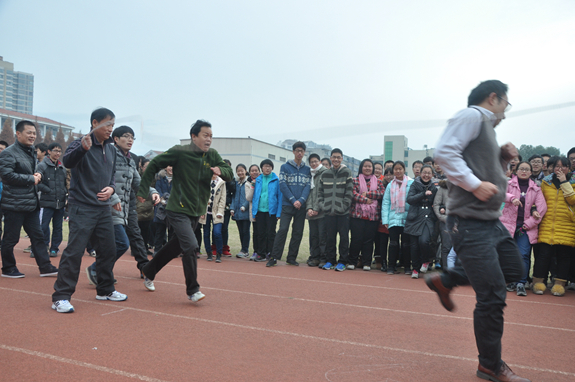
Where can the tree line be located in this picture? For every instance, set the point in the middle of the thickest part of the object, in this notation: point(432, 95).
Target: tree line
point(7, 134)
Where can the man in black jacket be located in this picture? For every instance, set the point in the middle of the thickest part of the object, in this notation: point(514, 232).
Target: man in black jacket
point(53, 196)
point(20, 202)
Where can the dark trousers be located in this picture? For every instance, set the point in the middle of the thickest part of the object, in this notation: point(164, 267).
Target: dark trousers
point(159, 229)
point(94, 224)
point(445, 244)
point(395, 234)
point(266, 232)
point(1, 217)
point(317, 240)
point(244, 231)
point(57, 218)
point(15, 220)
point(543, 261)
point(137, 245)
point(217, 235)
point(298, 216)
point(381, 243)
point(421, 248)
point(362, 237)
point(146, 231)
point(255, 238)
point(334, 225)
point(489, 259)
point(184, 242)
point(122, 244)
point(225, 227)
point(198, 233)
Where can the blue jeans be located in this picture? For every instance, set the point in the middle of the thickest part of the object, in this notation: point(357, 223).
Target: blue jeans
point(122, 243)
point(57, 217)
point(525, 251)
point(489, 260)
point(217, 235)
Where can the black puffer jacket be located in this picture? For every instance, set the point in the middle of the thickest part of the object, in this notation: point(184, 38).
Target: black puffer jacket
point(17, 167)
point(53, 185)
point(420, 208)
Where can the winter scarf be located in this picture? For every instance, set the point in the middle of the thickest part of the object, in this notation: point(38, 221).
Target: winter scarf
point(397, 194)
point(368, 210)
point(313, 174)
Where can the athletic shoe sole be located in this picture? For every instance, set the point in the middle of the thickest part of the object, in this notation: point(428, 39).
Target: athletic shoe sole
point(90, 277)
point(13, 277)
point(108, 298)
point(57, 309)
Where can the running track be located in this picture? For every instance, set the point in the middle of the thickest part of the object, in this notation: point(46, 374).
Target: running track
point(262, 324)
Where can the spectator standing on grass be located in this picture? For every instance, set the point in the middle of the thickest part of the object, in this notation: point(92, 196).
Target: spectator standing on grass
point(188, 200)
point(382, 235)
point(393, 214)
point(254, 173)
point(164, 188)
point(240, 209)
point(266, 209)
point(364, 217)
point(53, 196)
point(294, 186)
point(475, 165)
point(20, 205)
point(213, 218)
point(420, 221)
point(316, 221)
point(230, 192)
point(557, 229)
point(524, 207)
point(441, 212)
point(92, 160)
point(335, 194)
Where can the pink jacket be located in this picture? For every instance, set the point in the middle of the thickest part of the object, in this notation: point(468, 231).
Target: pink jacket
point(533, 196)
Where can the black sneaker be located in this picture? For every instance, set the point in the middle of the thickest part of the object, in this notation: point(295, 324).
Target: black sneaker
point(210, 257)
point(13, 274)
point(272, 263)
point(49, 271)
point(321, 264)
point(218, 258)
point(259, 259)
point(313, 263)
point(292, 262)
point(92, 276)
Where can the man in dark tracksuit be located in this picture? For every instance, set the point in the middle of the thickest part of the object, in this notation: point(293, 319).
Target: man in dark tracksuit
point(20, 202)
point(474, 163)
point(92, 160)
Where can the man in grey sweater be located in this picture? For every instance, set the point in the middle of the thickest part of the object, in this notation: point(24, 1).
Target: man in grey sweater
point(475, 165)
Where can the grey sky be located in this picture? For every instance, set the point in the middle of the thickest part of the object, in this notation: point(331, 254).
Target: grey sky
point(320, 70)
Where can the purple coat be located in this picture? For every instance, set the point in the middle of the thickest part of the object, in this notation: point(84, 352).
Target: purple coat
point(534, 196)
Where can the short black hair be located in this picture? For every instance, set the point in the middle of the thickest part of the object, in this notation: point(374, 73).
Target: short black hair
point(484, 89)
point(558, 158)
point(241, 165)
point(119, 131)
point(298, 144)
point(255, 166)
point(336, 151)
point(377, 163)
point(4, 143)
point(428, 159)
point(53, 145)
point(387, 171)
point(42, 147)
point(388, 161)
point(546, 155)
point(426, 166)
point(314, 155)
point(328, 160)
point(100, 114)
point(535, 156)
point(412, 165)
point(520, 158)
point(527, 163)
point(197, 127)
point(267, 161)
point(571, 151)
point(399, 163)
point(227, 161)
point(20, 126)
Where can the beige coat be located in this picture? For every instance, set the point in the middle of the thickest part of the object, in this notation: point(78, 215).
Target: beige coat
point(219, 206)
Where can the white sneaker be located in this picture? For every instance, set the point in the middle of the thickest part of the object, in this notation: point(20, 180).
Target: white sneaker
point(149, 284)
point(414, 275)
point(63, 306)
point(350, 266)
point(197, 296)
point(114, 296)
point(367, 268)
point(424, 267)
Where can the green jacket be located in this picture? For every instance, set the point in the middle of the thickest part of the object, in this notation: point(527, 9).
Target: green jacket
point(191, 177)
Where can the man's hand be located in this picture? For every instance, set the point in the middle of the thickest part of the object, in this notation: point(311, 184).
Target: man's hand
point(155, 199)
point(297, 204)
point(485, 191)
point(428, 192)
point(105, 194)
point(216, 170)
point(142, 200)
point(37, 178)
point(86, 142)
point(117, 206)
point(509, 151)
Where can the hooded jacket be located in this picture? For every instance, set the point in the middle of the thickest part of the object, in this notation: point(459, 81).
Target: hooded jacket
point(294, 182)
point(420, 208)
point(240, 200)
point(127, 183)
point(53, 186)
point(389, 216)
point(335, 191)
point(274, 196)
point(312, 202)
point(219, 205)
point(558, 224)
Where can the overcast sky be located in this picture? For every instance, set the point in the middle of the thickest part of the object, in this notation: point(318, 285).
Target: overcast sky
point(344, 73)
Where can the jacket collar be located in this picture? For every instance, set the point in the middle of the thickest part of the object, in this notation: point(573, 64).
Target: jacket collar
point(292, 162)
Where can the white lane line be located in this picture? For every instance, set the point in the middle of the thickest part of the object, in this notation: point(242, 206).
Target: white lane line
point(80, 363)
point(116, 311)
point(306, 336)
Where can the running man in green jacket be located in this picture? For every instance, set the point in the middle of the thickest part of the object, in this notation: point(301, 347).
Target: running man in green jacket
point(193, 166)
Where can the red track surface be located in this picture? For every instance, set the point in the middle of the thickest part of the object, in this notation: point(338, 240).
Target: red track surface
point(262, 324)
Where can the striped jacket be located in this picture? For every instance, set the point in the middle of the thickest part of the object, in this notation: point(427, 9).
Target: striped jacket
point(335, 191)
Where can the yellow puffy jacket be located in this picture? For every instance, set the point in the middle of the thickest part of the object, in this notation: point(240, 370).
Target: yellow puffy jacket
point(558, 224)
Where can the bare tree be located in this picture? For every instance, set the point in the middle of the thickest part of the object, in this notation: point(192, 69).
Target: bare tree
point(7, 133)
point(48, 137)
point(38, 136)
point(60, 139)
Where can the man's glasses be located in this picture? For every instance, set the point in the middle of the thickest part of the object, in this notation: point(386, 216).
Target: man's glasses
point(508, 107)
point(129, 137)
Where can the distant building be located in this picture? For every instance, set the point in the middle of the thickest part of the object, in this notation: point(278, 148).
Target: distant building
point(16, 88)
point(248, 151)
point(43, 124)
point(324, 151)
point(395, 148)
